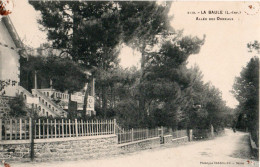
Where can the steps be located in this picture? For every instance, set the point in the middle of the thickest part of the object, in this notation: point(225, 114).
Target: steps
point(46, 107)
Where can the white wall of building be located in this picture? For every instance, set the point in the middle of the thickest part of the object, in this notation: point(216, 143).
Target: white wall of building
point(9, 61)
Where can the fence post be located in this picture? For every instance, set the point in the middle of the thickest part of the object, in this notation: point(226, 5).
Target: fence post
point(76, 127)
point(190, 134)
point(31, 125)
point(55, 128)
point(162, 131)
point(20, 123)
point(11, 129)
point(62, 128)
point(132, 134)
point(114, 126)
point(0, 129)
point(147, 133)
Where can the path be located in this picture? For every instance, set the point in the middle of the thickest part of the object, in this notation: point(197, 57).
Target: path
point(229, 150)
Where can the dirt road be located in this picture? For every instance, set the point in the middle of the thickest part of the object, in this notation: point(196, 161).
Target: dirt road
point(226, 151)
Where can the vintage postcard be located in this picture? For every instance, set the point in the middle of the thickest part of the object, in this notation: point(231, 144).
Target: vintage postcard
point(129, 83)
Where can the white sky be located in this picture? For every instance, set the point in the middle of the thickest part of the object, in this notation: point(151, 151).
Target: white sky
point(221, 58)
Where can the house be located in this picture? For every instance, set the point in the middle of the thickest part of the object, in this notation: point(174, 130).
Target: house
point(10, 53)
point(11, 50)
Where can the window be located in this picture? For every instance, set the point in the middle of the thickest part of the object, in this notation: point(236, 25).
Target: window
point(46, 104)
point(48, 94)
point(49, 106)
point(43, 111)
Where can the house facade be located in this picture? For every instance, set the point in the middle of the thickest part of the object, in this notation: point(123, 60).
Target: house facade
point(10, 53)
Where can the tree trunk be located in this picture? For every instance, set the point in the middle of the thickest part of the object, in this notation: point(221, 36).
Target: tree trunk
point(142, 97)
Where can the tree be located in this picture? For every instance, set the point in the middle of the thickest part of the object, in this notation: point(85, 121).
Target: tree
point(142, 23)
point(92, 31)
point(246, 91)
point(166, 82)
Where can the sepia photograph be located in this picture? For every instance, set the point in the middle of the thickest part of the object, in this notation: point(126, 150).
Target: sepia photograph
point(133, 83)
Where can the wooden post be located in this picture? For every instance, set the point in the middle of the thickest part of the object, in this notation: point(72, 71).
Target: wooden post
point(1, 129)
point(106, 127)
point(87, 128)
point(162, 131)
point(109, 126)
point(31, 125)
point(15, 129)
point(66, 129)
point(59, 127)
point(92, 128)
point(47, 128)
point(84, 124)
point(55, 129)
point(96, 122)
point(69, 128)
point(82, 130)
point(51, 130)
point(132, 139)
point(25, 134)
point(39, 124)
point(76, 127)
point(43, 129)
point(114, 126)
point(62, 128)
point(147, 133)
point(11, 129)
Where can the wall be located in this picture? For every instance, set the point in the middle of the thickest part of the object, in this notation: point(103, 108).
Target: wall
point(15, 152)
point(9, 61)
point(60, 149)
point(140, 145)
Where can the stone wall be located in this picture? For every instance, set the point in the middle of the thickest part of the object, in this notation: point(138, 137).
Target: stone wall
point(167, 139)
point(170, 140)
point(12, 151)
point(140, 145)
point(60, 149)
point(76, 148)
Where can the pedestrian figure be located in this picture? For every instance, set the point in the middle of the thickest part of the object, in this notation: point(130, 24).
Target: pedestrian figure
point(5, 164)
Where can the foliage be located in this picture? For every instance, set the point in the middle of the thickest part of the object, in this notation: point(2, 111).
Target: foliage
point(65, 74)
point(18, 108)
point(246, 91)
